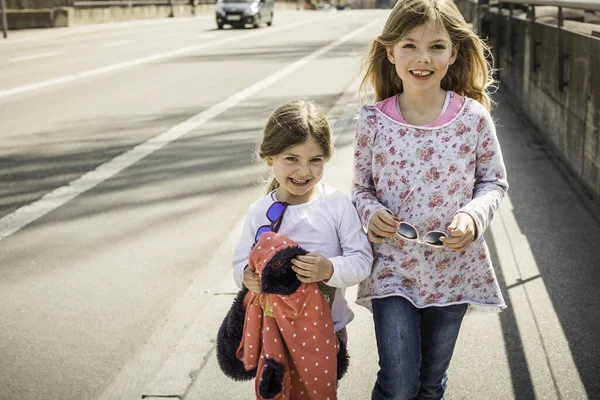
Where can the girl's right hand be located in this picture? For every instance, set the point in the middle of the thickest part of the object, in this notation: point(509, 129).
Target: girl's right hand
point(251, 280)
point(382, 225)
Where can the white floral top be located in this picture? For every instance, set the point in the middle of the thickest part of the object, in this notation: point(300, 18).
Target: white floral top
point(424, 175)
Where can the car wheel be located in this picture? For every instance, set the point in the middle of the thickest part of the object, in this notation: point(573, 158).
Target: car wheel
point(219, 26)
point(257, 21)
point(270, 23)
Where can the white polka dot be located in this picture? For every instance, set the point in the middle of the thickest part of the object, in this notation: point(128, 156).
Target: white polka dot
point(284, 242)
point(316, 291)
point(248, 335)
point(294, 350)
point(314, 337)
point(316, 380)
point(302, 357)
point(315, 324)
point(274, 304)
point(294, 335)
point(305, 328)
point(327, 358)
point(316, 364)
point(305, 369)
point(327, 341)
point(272, 248)
point(275, 340)
point(259, 247)
point(304, 304)
point(250, 346)
point(268, 237)
point(326, 371)
point(292, 322)
point(303, 344)
point(317, 349)
point(329, 384)
point(317, 307)
point(306, 314)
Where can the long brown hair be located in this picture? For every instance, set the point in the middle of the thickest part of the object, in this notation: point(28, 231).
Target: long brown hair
point(471, 73)
point(293, 123)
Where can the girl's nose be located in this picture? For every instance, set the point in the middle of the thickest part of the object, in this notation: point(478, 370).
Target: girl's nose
point(423, 57)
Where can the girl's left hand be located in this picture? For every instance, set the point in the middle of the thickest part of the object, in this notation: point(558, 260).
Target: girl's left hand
point(462, 232)
point(312, 267)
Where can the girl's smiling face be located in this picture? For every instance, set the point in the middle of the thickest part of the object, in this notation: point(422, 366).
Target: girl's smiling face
point(298, 170)
point(423, 56)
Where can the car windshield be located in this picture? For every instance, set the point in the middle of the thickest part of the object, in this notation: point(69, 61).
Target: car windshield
point(236, 1)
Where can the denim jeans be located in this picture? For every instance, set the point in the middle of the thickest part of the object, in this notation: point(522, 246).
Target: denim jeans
point(415, 346)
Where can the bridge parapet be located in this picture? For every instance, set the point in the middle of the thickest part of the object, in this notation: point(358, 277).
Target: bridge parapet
point(548, 57)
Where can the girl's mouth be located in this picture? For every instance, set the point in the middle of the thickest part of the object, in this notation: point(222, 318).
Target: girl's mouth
point(299, 182)
point(421, 73)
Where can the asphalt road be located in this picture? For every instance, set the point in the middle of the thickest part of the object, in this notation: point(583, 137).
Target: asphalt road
point(126, 158)
point(126, 167)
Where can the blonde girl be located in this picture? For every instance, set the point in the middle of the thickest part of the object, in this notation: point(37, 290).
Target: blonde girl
point(429, 176)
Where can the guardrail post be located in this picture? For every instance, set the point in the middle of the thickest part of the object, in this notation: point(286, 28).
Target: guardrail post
point(511, 51)
point(4, 20)
point(562, 56)
point(498, 36)
point(534, 43)
point(483, 8)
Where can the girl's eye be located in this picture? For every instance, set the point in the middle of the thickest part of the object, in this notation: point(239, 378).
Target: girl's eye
point(292, 159)
point(408, 46)
point(438, 47)
point(316, 160)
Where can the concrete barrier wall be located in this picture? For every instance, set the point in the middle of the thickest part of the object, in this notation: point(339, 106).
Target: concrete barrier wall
point(96, 15)
point(569, 120)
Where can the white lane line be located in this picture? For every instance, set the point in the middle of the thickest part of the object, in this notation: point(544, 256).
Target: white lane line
point(171, 34)
point(554, 374)
point(119, 43)
point(25, 215)
point(144, 60)
point(36, 56)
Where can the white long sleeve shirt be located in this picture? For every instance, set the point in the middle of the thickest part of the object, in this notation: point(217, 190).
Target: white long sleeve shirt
point(329, 225)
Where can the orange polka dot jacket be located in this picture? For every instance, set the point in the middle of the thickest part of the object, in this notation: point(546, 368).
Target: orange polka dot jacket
point(284, 336)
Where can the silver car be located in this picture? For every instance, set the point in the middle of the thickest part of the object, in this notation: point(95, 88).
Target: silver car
point(239, 13)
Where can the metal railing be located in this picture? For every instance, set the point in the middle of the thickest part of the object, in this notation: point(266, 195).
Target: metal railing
point(587, 5)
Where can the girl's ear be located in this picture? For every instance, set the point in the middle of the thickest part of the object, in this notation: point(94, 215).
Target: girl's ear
point(390, 54)
point(269, 161)
point(455, 48)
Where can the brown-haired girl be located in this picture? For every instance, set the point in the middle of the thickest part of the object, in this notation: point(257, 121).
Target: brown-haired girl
point(429, 176)
point(296, 144)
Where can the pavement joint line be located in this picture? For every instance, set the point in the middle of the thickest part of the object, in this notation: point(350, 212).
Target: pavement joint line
point(29, 213)
point(159, 386)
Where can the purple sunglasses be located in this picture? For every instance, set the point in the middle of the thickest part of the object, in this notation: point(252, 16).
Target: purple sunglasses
point(275, 215)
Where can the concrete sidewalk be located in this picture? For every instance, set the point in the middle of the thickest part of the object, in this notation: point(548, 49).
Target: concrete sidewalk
point(544, 242)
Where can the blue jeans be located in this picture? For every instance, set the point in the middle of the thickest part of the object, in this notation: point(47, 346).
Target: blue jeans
point(415, 346)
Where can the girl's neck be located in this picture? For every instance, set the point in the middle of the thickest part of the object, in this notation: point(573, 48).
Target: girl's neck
point(420, 107)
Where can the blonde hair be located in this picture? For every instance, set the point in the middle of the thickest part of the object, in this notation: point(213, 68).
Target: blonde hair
point(471, 73)
point(293, 123)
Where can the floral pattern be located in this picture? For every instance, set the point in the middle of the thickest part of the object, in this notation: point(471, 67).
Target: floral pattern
point(425, 175)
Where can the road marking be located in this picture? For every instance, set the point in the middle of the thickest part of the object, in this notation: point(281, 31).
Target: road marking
point(119, 43)
point(144, 60)
point(171, 34)
point(25, 215)
point(36, 56)
point(550, 361)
